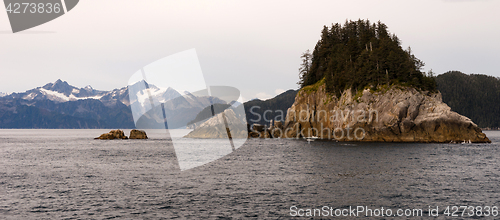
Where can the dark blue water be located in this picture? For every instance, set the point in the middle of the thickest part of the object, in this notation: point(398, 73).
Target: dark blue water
point(65, 174)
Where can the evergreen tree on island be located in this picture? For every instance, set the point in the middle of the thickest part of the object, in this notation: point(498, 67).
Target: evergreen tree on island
point(359, 55)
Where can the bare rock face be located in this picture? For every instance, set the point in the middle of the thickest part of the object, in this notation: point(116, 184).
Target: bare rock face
point(219, 127)
point(275, 130)
point(391, 114)
point(138, 134)
point(258, 127)
point(258, 130)
point(113, 134)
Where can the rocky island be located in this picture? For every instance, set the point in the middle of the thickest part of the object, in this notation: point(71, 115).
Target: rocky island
point(359, 84)
point(394, 114)
point(119, 134)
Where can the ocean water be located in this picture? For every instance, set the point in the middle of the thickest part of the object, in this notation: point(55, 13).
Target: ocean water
point(65, 174)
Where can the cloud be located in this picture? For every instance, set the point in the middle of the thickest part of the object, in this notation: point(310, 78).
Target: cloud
point(242, 99)
point(263, 96)
point(279, 91)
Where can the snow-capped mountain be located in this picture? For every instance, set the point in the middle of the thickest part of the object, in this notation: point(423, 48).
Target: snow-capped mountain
point(154, 107)
point(59, 91)
point(142, 93)
point(60, 105)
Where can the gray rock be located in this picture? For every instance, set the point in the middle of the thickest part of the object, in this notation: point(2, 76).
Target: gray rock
point(394, 114)
point(215, 127)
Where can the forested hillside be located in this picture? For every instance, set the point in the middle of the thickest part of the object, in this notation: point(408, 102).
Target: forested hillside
point(272, 109)
point(360, 54)
point(475, 96)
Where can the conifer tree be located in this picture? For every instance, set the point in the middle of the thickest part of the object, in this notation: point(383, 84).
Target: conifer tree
point(360, 54)
point(304, 67)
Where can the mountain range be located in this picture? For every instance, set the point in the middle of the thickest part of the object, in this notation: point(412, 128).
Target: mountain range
point(60, 105)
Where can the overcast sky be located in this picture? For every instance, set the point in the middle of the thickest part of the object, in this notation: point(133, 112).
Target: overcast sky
point(254, 46)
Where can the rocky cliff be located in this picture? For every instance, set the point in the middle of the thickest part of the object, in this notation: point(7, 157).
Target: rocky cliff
point(219, 126)
point(387, 114)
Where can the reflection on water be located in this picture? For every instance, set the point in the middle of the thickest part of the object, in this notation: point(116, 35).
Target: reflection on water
point(66, 174)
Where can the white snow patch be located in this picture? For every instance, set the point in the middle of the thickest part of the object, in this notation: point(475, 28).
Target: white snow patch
point(56, 96)
point(89, 97)
point(30, 96)
point(156, 94)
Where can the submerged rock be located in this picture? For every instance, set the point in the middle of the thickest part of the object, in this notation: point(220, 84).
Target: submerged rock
point(138, 134)
point(393, 114)
point(113, 134)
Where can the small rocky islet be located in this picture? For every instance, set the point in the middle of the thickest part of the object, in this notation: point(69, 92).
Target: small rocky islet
point(119, 134)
